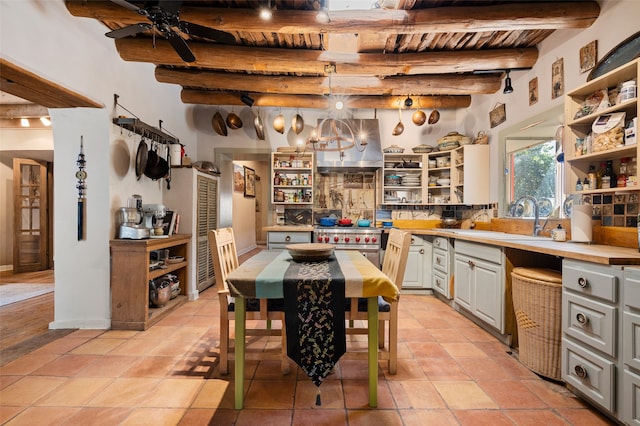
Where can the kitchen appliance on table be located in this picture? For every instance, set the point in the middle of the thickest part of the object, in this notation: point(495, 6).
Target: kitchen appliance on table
point(130, 220)
point(153, 218)
point(364, 239)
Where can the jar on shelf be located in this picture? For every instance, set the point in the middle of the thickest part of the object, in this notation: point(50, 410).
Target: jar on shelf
point(622, 174)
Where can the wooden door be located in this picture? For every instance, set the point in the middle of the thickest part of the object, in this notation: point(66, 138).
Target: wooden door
point(31, 237)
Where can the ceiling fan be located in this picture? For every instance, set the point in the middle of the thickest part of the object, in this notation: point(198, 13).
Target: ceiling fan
point(165, 16)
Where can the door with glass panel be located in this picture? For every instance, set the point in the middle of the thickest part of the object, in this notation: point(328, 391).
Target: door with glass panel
point(31, 237)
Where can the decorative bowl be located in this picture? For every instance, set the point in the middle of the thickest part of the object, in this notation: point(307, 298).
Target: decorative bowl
point(422, 149)
point(310, 252)
point(393, 149)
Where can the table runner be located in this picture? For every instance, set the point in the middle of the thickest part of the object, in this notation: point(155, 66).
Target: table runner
point(314, 304)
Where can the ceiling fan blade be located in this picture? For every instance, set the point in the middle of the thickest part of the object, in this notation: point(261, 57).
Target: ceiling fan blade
point(126, 4)
point(206, 32)
point(180, 46)
point(129, 31)
point(171, 6)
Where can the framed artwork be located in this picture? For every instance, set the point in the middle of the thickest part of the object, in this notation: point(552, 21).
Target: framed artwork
point(533, 90)
point(497, 115)
point(249, 182)
point(588, 56)
point(557, 78)
point(354, 180)
point(238, 178)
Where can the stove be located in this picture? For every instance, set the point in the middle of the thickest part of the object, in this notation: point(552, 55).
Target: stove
point(364, 239)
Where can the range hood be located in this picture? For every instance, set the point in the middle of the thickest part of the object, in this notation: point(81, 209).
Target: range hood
point(353, 159)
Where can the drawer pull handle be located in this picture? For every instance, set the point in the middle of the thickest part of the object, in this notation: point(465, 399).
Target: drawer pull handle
point(438, 243)
point(582, 282)
point(421, 251)
point(438, 260)
point(471, 264)
point(413, 240)
point(581, 371)
point(438, 283)
point(582, 318)
point(287, 238)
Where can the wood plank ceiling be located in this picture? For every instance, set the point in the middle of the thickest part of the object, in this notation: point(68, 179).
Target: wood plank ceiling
point(439, 52)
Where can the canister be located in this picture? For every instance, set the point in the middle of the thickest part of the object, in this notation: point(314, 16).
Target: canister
point(628, 90)
point(175, 152)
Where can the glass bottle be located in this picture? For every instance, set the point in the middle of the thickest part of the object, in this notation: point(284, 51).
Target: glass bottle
point(609, 178)
point(579, 185)
point(622, 174)
point(599, 174)
point(593, 180)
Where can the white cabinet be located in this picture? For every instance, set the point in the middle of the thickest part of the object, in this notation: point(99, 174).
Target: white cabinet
point(470, 175)
point(578, 127)
point(590, 341)
point(278, 240)
point(195, 197)
point(418, 264)
point(480, 282)
point(403, 179)
point(442, 270)
point(292, 178)
point(631, 347)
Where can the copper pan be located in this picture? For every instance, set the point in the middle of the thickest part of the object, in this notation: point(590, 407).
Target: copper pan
point(218, 124)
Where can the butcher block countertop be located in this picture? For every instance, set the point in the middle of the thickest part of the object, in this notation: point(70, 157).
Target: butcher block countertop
point(596, 253)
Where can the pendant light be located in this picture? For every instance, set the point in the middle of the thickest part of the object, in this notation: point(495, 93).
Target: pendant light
point(508, 88)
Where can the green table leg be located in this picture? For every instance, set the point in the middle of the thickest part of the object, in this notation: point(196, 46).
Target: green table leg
point(240, 311)
point(372, 310)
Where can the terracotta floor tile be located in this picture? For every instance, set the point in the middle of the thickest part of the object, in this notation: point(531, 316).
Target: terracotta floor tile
point(27, 364)
point(554, 394)
point(249, 417)
point(331, 395)
point(29, 390)
point(98, 346)
point(136, 347)
point(399, 395)
point(374, 418)
point(66, 365)
point(74, 392)
point(108, 366)
point(463, 350)
point(270, 394)
point(319, 417)
point(427, 350)
point(483, 369)
point(7, 380)
point(127, 392)
point(61, 346)
point(216, 393)
point(464, 395)
point(201, 417)
point(422, 394)
point(443, 335)
point(584, 417)
point(512, 395)
point(482, 418)
point(151, 366)
point(428, 417)
point(156, 416)
point(408, 369)
point(416, 335)
point(271, 370)
point(98, 416)
point(173, 393)
point(10, 411)
point(356, 395)
point(445, 368)
point(536, 418)
point(43, 416)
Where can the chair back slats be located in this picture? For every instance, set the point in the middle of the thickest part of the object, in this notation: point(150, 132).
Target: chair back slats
point(395, 256)
point(224, 254)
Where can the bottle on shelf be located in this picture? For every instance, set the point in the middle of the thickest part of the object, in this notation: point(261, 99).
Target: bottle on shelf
point(632, 172)
point(579, 185)
point(609, 178)
point(622, 174)
point(586, 183)
point(599, 174)
point(593, 180)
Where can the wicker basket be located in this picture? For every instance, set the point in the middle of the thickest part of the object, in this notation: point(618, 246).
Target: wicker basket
point(537, 297)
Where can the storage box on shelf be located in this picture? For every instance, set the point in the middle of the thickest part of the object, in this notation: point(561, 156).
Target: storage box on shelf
point(130, 275)
point(577, 131)
point(292, 178)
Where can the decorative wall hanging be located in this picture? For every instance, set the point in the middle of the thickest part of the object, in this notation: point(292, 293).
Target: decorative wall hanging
point(249, 182)
point(497, 115)
point(81, 175)
point(533, 90)
point(557, 78)
point(588, 56)
point(238, 178)
point(626, 51)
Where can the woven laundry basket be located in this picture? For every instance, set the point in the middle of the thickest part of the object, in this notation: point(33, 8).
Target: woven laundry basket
point(537, 298)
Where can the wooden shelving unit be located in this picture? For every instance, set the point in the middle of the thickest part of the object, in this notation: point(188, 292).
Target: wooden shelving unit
point(130, 276)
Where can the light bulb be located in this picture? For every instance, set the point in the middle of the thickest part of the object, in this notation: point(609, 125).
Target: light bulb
point(339, 105)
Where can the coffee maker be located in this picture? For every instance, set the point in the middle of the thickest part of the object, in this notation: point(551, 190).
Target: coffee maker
point(153, 219)
point(130, 220)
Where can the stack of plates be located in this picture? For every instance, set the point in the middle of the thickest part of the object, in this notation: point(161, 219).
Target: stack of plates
point(411, 181)
point(310, 252)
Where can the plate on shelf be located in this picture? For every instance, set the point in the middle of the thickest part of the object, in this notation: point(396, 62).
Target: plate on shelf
point(175, 259)
point(310, 252)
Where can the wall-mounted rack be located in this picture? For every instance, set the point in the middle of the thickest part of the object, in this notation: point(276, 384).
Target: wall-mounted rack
point(135, 125)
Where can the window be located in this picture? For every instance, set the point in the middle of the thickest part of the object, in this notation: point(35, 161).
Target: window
point(532, 169)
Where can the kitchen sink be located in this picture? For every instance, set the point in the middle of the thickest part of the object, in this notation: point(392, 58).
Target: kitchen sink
point(495, 235)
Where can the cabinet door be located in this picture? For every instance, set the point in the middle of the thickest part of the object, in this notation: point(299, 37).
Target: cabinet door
point(207, 218)
point(463, 276)
point(413, 275)
point(631, 398)
point(489, 296)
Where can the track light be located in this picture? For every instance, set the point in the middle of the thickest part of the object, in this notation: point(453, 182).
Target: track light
point(408, 102)
point(247, 100)
point(323, 14)
point(24, 122)
point(265, 12)
point(508, 88)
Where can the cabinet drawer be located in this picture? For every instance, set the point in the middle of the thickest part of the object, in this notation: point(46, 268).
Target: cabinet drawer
point(289, 237)
point(631, 339)
point(489, 253)
point(441, 260)
point(589, 373)
point(589, 279)
point(631, 398)
point(441, 242)
point(589, 321)
point(440, 283)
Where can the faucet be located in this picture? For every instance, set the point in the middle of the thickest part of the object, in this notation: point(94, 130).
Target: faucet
point(536, 212)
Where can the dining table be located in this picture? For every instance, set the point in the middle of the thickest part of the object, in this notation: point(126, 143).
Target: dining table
point(272, 273)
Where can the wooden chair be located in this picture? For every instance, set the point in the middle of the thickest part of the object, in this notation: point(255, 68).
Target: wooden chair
point(393, 265)
point(225, 260)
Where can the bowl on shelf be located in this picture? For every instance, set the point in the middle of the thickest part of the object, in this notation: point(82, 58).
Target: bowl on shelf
point(393, 149)
point(443, 182)
point(443, 161)
point(422, 149)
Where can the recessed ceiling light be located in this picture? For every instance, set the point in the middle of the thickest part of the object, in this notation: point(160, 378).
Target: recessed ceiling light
point(24, 122)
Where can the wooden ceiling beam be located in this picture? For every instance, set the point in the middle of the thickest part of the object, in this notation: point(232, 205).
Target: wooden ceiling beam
point(443, 84)
point(515, 16)
point(313, 62)
point(23, 111)
point(203, 97)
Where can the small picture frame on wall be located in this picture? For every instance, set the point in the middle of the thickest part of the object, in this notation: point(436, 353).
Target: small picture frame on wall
point(557, 78)
point(249, 182)
point(533, 90)
point(497, 115)
point(588, 56)
point(238, 178)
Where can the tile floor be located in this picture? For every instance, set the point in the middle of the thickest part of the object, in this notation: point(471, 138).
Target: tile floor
point(450, 372)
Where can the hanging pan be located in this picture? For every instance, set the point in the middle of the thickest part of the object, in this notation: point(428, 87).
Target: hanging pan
point(259, 126)
point(157, 167)
point(141, 158)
